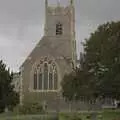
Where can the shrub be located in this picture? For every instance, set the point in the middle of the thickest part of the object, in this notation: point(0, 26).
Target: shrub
point(74, 117)
point(88, 117)
point(31, 108)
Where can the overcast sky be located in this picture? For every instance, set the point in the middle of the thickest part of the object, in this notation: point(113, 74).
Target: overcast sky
point(22, 23)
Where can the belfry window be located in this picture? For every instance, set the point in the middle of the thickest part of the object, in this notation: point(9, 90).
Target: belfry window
point(59, 29)
point(45, 76)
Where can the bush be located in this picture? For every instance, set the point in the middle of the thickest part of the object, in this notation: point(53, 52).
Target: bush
point(88, 117)
point(76, 117)
point(2, 107)
point(31, 108)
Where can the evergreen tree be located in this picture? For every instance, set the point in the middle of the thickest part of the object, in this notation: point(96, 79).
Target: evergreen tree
point(8, 97)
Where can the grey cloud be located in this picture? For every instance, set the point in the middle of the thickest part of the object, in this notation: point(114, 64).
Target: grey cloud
point(22, 24)
point(100, 10)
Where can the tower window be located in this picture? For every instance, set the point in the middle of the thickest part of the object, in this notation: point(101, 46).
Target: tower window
point(59, 29)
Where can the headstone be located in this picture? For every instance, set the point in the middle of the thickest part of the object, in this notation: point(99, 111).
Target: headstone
point(6, 110)
point(100, 117)
point(94, 116)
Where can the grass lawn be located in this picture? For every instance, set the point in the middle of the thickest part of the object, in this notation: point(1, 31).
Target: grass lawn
point(26, 117)
point(103, 115)
point(111, 115)
point(106, 115)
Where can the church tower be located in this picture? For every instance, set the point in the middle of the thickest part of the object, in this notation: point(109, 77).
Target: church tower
point(52, 58)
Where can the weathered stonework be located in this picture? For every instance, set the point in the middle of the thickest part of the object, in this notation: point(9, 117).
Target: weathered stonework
point(16, 82)
point(59, 48)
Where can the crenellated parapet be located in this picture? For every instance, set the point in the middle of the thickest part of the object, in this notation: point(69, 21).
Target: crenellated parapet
point(58, 10)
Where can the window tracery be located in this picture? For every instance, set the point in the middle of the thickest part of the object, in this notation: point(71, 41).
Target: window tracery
point(45, 75)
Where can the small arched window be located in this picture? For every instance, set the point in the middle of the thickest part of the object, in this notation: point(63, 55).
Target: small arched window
point(35, 79)
point(40, 79)
point(51, 78)
point(59, 29)
point(45, 76)
point(55, 79)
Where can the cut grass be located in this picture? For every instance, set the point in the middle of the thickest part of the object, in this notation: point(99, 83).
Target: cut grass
point(111, 115)
point(27, 117)
point(103, 115)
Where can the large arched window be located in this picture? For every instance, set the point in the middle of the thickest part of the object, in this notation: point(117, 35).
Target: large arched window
point(45, 76)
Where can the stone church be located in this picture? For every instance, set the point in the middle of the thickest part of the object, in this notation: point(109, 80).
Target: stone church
point(53, 57)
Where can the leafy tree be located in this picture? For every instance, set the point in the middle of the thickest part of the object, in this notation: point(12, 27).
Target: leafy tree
point(102, 58)
point(98, 74)
point(78, 83)
point(8, 97)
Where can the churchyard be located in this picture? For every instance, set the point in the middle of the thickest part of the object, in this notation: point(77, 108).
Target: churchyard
point(52, 78)
point(12, 116)
point(101, 115)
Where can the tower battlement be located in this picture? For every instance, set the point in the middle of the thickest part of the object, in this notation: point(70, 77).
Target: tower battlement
point(70, 3)
point(58, 10)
